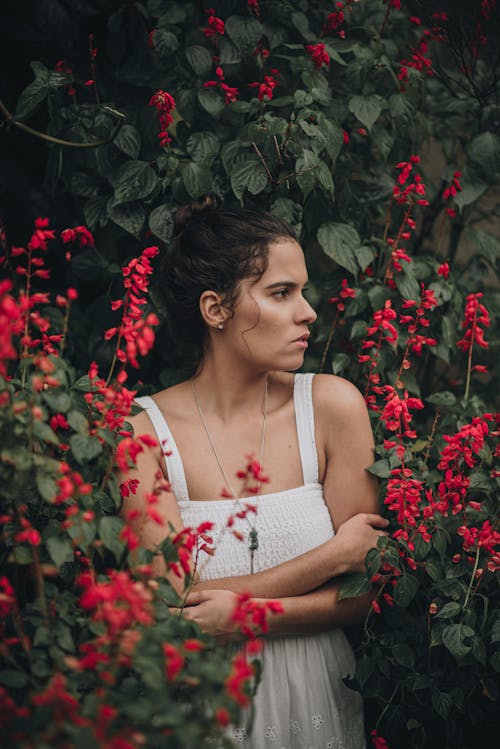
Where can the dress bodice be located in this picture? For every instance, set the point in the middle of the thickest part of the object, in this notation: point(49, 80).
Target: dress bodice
point(288, 522)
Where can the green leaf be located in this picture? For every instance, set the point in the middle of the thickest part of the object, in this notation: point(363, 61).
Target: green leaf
point(442, 703)
point(95, 211)
point(449, 610)
point(34, 93)
point(84, 448)
point(161, 223)
point(339, 242)
point(58, 400)
point(78, 421)
point(60, 550)
point(46, 486)
point(305, 171)
point(407, 284)
point(484, 150)
point(373, 562)
point(487, 245)
point(405, 590)
point(109, 529)
point(130, 216)
point(44, 433)
point(229, 54)
point(165, 43)
point(353, 585)
point(244, 31)
point(454, 638)
point(472, 189)
point(128, 140)
point(133, 181)
point(403, 655)
point(366, 108)
point(203, 146)
point(13, 678)
point(325, 179)
point(197, 179)
point(402, 109)
point(211, 101)
point(248, 175)
point(200, 59)
point(380, 468)
point(443, 398)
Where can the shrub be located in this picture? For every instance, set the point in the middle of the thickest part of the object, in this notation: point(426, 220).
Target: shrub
point(372, 128)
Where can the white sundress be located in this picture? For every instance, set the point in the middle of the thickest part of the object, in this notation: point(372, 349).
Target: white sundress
point(301, 701)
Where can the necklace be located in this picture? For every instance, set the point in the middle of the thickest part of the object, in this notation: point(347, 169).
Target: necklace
point(253, 534)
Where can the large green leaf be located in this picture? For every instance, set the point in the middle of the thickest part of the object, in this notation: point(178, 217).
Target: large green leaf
point(456, 638)
point(161, 223)
point(203, 146)
point(133, 181)
point(353, 585)
point(60, 550)
point(366, 108)
point(200, 59)
point(244, 31)
point(211, 101)
point(130, 216)
point(128, 140)
point(197, 180)
point(405, 590)
point(109, 528)
point(248, 175)
point(487, 245)
point(35, 92)
point(339, 242)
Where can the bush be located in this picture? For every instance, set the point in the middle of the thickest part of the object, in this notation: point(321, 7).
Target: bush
point(372, 128)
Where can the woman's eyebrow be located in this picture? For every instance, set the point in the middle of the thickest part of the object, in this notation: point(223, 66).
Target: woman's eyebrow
point(288, 284)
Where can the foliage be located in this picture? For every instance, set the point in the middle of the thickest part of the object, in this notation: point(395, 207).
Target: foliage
point(92, 654)
point(324, 116)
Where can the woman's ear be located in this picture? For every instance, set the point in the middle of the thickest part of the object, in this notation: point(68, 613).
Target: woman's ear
point(212, 310)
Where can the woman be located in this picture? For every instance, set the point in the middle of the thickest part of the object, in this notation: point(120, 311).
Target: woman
point(234, 282)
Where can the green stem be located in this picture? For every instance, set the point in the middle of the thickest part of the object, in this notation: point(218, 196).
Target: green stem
point(472, 577)
point(8, 117)
point(328, 342)
point(469, 360)
point(387, 706)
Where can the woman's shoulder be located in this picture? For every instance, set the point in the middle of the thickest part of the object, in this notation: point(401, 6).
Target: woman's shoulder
point(337, 397)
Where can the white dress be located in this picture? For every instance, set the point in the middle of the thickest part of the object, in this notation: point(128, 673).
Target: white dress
point(301, 701)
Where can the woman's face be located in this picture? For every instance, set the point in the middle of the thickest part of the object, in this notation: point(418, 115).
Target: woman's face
point(269, 327)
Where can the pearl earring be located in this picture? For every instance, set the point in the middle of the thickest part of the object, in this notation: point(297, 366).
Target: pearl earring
point(220, 326)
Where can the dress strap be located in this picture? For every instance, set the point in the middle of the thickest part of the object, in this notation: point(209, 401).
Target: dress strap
point(304, 417)
point(173, 462)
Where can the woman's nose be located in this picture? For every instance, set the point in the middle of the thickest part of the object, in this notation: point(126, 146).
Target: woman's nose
point(307, 313)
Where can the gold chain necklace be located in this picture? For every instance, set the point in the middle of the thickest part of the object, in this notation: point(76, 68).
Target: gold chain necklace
point(253, 535)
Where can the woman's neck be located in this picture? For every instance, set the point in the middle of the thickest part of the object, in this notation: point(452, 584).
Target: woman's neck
point(228, 392)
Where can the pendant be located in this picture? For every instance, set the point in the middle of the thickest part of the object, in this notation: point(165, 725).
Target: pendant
point(254, 540)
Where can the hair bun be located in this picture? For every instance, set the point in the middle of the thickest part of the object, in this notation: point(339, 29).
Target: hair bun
point(196, 207)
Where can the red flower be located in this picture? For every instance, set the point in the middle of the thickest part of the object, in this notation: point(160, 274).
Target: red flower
point(266, 88)
point(378, 741)
point(319, 54)
point(444, 270)
point(345, 293)
point(78, 234)
point(241, 674)
point(215, 25)
point(174, 661)
point(476, 315)
point(164, 104)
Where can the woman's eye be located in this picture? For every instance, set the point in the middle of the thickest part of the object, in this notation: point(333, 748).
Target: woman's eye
point(282, 293)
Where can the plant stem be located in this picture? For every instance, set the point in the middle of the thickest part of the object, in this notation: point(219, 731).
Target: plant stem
point(472, 577)
point(328, 342)
point(469, 359)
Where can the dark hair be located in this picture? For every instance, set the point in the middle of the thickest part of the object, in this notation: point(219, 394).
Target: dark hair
point(213, 248)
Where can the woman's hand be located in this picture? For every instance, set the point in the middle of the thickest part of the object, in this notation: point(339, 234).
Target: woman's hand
point(212, 610)
point(356, 536)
